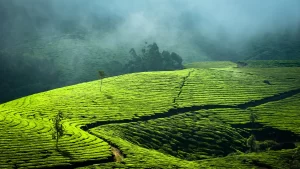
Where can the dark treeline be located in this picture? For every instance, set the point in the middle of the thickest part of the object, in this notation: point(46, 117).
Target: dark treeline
point(152, 60)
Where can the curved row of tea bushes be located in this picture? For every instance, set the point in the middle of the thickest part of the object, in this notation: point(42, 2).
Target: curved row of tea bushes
point(188, 136)
point(233, 86)
point(27, 143)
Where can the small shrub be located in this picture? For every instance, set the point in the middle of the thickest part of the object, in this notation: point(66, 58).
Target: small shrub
point(266, 145)
point(251, 143)
point(253, 117)
point(108, 96)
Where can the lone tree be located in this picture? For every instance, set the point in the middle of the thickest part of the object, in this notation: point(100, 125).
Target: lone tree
point(58, 129)
point(101, 76)
point(253, 117)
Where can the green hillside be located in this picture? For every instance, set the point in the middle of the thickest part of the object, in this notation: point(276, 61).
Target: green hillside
point(192, 118)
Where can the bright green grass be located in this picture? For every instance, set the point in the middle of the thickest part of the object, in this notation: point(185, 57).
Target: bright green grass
point(232, 86)
point(282, 114)
point(27, 126)
point(210, 64)
point(122, 97)
point(28, 143)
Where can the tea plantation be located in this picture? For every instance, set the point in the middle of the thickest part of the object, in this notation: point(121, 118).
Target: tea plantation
point(199, 117)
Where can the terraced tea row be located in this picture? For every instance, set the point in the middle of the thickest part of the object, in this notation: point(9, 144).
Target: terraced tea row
point(281, 114)
point(218, 87)
point(139, 157)
point(143, 94)
point(124, 97)
point(28, 143)
point(180, 136)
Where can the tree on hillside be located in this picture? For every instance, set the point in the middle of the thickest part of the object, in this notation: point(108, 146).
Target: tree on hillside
point(101, 76)
point(253, 117)
point(58, 129)
point(251, 141)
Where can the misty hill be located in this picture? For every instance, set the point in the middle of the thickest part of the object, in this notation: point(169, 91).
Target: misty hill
point(28, 73)
point(280, 45)
point(191, 118)
point(50, 44)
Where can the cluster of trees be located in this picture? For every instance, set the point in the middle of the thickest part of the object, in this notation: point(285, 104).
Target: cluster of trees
point(152, 60)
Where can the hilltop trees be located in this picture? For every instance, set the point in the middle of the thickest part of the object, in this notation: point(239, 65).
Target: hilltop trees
point(152, 60)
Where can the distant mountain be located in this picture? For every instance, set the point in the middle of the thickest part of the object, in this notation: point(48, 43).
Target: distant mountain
point(279, 45)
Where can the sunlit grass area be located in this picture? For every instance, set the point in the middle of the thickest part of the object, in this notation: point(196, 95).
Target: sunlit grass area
point(191, 118)
point(210, 64)
point(27, 143)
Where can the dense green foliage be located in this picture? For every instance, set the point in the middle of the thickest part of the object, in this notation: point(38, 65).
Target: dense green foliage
point(161, 120)
point(153, 60)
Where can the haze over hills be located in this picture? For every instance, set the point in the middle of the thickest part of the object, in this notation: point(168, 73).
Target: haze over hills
point(56, 43)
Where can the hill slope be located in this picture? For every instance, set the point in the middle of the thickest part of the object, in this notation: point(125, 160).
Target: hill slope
point(192, 118)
